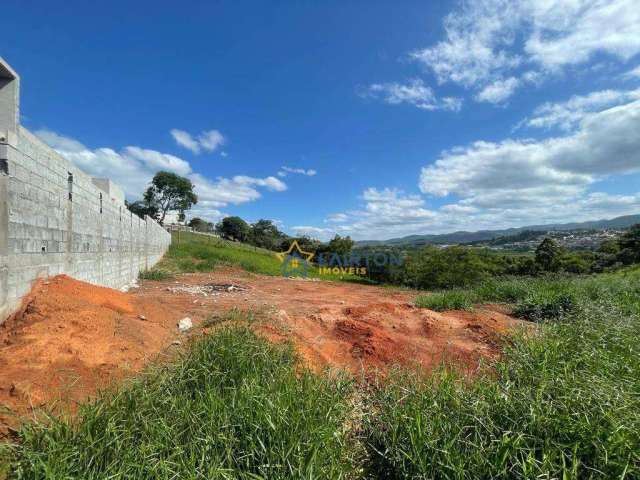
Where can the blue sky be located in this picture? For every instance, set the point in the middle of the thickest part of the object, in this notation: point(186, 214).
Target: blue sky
point(391, 118)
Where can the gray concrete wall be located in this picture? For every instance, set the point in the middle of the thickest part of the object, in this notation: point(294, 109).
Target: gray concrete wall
point(51, 225)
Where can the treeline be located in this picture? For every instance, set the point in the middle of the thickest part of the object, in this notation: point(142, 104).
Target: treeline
point(265, 234)
point(459, 266)
point(433, 267)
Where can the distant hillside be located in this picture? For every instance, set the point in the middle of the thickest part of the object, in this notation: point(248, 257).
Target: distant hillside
point(483, 235)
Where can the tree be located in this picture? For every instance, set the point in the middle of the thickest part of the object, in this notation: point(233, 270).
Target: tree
point(142, 208)
point(610, 246)
point(630, 245)
point(548, 255)
point(169, 191)
point(234, 228)
point(340, 245)
point(266, 235)
point(433, 267)
point(304, 242)
point(200, 225)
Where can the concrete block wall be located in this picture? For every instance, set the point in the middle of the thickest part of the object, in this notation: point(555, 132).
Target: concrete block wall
point(54, 219)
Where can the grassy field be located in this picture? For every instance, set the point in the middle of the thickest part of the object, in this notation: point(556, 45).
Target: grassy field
point(561, 403)
point(564, 403)
point(190, 252)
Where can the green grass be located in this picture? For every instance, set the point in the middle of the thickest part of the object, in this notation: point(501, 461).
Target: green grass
point(154, 274)
point(562, 402)
point(191, 252)
point(447, 300)
point(233, 407)
point(544, 298)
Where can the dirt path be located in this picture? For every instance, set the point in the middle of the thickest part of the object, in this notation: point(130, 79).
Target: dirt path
point(73, 338)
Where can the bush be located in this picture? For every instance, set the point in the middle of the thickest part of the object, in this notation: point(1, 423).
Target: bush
point(442, 301)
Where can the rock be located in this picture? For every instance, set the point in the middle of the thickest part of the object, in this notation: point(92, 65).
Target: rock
point(185, 324)
point(176, 342)
point(142, 317)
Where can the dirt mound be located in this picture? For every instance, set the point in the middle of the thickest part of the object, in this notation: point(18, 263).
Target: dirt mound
point(69, 339)
point(72, 338)
point(383, 334)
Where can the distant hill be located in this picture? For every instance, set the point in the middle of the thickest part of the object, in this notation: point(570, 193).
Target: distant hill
point(483, 235)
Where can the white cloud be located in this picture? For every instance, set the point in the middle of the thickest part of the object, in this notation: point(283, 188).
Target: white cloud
point(337, 218)
point(313, 232)
point(566, 115)
point(498, 91)
point(606, 143)
point(633, 73)
point(515, 182)
point(133, 168)
point(474, 48)
point(415, 93)
point(567, 32)
point(535, 207)
point(208, 140)
point(284, 170)
point(490, 42)
point(272, 183)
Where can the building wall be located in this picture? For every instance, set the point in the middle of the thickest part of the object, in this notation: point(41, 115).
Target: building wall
point(56, 219)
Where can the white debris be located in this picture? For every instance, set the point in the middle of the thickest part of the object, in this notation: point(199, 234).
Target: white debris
point(206, 290)
point(142, 317)
point(185, 324)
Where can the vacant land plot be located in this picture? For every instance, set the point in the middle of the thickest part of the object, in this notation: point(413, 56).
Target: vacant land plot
point(73, 338)
point(233, 398)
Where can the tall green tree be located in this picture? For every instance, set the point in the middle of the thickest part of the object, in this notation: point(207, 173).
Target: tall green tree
point(234, 228)
point(142, 208)
point(200, 225)
point(548, 255)
point(340, 245)
point(630, 245)
point(265, 234)
point(169, 191)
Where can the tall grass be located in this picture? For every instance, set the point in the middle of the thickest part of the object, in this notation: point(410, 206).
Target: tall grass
point(441, 301)
point(233, 407)
point(563, 403)
point(545, 297)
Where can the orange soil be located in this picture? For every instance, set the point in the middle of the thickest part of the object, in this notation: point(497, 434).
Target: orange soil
point(71, 338)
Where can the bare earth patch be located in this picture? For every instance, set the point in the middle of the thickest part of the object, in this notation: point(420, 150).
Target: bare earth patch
point(72, 338)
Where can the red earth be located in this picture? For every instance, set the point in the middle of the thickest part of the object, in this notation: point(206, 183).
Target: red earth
point(71, 338)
